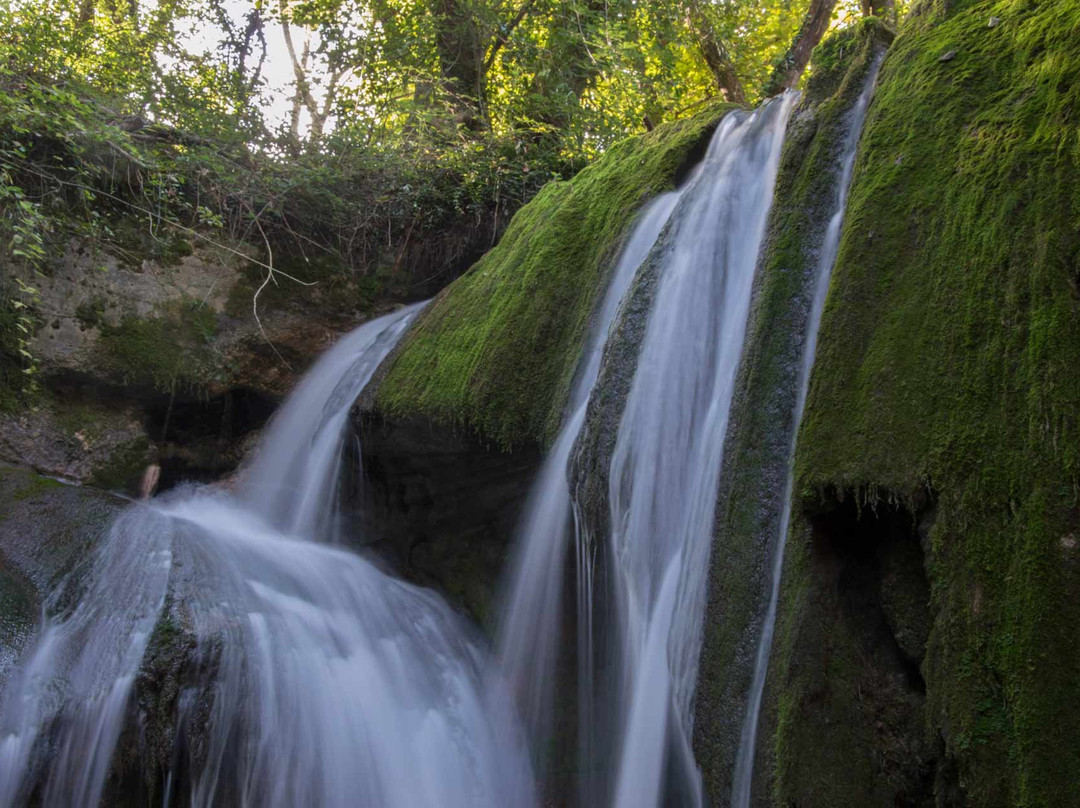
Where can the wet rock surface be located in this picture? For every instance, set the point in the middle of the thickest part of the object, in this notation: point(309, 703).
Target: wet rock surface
point(442, 506)
point(47, 529)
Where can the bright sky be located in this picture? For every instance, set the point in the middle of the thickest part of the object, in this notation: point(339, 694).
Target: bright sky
point(277, 72)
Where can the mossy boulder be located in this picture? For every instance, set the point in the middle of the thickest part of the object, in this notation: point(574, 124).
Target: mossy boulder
point(496, 351)
point(945, 407)
point(752, 489)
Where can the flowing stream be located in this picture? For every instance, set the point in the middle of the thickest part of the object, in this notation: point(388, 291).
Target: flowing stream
point(324, 681)
point(666, 463)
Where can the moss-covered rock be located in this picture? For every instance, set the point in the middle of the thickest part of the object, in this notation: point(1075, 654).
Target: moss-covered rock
point(159, 351)
point(752, 490)
point(947, 383)
point(497, 349)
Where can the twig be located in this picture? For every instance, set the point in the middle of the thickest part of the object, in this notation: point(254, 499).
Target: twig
point(255, 300)
point(177, 225)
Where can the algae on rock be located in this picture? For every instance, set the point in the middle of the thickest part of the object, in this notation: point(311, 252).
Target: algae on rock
point(497, 349)
point(945, 398)
point(757, 447)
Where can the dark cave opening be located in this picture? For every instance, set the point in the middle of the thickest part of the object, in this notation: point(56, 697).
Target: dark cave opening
point(194, 437)
point(881, 581)
point(204, 439)
point(872, 558)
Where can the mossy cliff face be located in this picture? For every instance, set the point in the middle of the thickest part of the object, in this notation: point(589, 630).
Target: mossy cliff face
point(757, 447)
point(928, 641)
point(161, 351)
point(496, 351)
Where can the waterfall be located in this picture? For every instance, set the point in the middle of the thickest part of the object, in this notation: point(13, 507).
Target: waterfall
point(83, 666)
point(311, 677)
point(663, 474)
point(744, 763)
point(529, 635)
point(664, 469)
point(321, 680)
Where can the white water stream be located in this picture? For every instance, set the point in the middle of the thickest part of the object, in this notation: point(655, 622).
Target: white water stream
point(663, 477)
point(666, 464)
point(329, 683)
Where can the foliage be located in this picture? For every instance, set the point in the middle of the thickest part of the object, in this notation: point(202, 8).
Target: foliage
point(496, 350)
point(409, 134)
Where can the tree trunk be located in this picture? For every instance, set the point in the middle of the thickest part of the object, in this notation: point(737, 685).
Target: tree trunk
point(716, 57)
point(461, 61)
point(787, 72)
point(86, 12)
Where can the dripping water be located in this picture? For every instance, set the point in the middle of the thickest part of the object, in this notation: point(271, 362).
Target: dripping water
point(744, 763)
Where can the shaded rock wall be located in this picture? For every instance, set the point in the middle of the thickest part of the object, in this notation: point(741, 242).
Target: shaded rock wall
point(147, 323)
point(441, 507)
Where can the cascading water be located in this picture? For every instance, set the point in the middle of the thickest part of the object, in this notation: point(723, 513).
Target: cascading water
point(316, 679)
point(664, 470)
point(326, 681)
point(529, 634)
point(830, 245)
point(663, 478)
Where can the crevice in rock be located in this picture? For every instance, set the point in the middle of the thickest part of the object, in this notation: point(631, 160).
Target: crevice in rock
point(871, 556)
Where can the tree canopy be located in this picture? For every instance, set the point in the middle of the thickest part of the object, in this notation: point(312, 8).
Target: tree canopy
point(565, 76)
point(345, 127)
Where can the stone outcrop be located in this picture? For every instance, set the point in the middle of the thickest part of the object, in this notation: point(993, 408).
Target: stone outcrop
point(928, 642)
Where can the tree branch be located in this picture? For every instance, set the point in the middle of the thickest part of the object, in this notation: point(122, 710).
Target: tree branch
point(504, 35)
point(303, 89)
point(790, 68)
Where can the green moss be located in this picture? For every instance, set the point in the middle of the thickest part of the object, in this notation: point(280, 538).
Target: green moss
point(496, 350)
point(947, 362)
point(843, 729)
point(33, 487)
point(89, 313)
point(134, 241)
point(757, 449)
point(161, 351)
